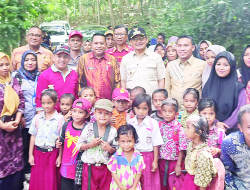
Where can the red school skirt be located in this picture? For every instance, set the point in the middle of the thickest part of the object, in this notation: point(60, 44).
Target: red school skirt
point(44, 174)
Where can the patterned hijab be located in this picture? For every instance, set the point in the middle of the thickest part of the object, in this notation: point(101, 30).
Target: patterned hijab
point(224, 90)
point(31, 75)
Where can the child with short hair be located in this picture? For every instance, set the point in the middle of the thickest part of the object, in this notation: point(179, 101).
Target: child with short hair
point(191, 98)
point(44, 157)
point(172, 151)
point(127, 163)
point(66, 102)
point(150, 140)
point(121, 100)
point(199, 161)
point(69, 136)
point(157, 97)
point(89, 94)
point(98, 142)
point(207, 108)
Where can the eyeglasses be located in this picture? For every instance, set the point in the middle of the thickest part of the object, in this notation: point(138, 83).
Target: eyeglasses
point(141, 38)
point(34, 35)
point(120, 34)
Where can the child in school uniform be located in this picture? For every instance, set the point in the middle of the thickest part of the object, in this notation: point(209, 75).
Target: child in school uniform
point(207, 108)
point(66, 102)
point(172, 151)
point(98, 142)
point(44, 158)
point(89, 94)
point(157, 97)
point(199, 161)
point(149, 140)
point(121, 100)
point(69, 136)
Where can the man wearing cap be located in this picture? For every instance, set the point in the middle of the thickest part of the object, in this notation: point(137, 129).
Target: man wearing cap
point(121, 48)
point(34, 39)
point(59, 77)
point(142, 67)
point(109, 38)
point(98, 69)
point(75, 44)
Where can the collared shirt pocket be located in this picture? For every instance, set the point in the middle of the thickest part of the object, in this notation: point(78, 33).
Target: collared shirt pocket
point(151, 70)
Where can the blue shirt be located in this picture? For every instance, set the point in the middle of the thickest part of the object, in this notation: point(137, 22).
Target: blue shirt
point(235, 155)
point(47, 131)
point(28, 87)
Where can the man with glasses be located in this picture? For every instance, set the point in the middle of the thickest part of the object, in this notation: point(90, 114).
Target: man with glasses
point(34, 39)
point(142, 67)
point(121, 48)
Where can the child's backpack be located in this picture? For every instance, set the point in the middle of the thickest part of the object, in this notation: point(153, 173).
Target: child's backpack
point(218, 181)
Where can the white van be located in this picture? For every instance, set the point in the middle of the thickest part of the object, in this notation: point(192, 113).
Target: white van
point(58, 31)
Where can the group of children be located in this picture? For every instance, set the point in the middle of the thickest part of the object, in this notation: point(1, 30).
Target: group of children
point(124, 144)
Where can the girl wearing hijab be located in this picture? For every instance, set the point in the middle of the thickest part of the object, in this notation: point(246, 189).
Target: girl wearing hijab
point(210, 55)
point(161, 50)
point(224, 88)
point(245, 70)
point(171, 53)
point(86, 46)
point(27, 76)
point(201, 49)
point(11, 146)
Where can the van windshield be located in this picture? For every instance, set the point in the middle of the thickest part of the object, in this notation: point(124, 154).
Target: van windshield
point(54, 30)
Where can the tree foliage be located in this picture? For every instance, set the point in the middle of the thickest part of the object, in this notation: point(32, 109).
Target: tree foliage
point(224, 22)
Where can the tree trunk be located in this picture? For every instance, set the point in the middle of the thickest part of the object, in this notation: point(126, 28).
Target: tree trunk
point(112, 20)
point(98, 12)
point(22, 30)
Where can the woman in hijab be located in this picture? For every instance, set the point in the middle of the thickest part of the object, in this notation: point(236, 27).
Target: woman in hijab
point(171, 53)
point(11, 146)
point(86, 46)
point(161, 50)
point(210, 55)
point(201, 49)
point(224, 88)
point(245, 70)
point(27, 76)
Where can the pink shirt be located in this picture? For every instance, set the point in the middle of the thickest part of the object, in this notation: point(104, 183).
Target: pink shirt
point(62, 83)
point(174, 140)
point(120, 54)
point(215, 137)
point(70, 151)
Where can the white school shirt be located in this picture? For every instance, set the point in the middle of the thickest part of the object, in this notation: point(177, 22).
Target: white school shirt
point(148, 132)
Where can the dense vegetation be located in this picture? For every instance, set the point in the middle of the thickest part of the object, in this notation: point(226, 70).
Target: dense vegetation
point(224, 22)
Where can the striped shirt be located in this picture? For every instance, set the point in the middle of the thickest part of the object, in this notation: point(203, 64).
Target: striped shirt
point(180, 76)
point(44, 57)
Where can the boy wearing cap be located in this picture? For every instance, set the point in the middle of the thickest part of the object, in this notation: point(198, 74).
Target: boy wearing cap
point(59, 76)
point(98, 142)
point(70, 133)
point(75, 44)
point(121, 101)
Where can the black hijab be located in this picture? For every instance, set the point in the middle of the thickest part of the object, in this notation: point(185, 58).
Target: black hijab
point(224, 90)
point(245, 70)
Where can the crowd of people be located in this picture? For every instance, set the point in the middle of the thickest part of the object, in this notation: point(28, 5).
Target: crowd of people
point(117, 113)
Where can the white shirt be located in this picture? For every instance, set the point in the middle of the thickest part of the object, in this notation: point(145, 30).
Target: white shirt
point(148, 132)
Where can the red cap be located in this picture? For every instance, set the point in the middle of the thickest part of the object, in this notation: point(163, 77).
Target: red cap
point(83, 104)
point(120, 94)
point(73, 33)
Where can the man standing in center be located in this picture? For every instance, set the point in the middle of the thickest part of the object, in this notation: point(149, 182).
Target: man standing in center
point(98, 69)
point(184, 72)
point(142, 67)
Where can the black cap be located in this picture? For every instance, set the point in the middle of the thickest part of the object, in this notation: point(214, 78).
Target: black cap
point(136, 31)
